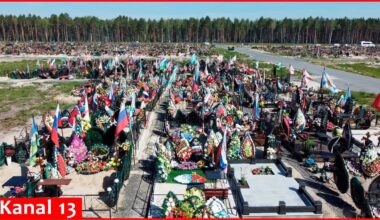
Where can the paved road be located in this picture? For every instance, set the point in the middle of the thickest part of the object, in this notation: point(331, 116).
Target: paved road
point(340, 78)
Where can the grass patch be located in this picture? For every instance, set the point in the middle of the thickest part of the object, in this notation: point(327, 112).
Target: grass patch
point(243, 58)
point(360, 68)
point(226, 53)
point(7, 67)
point(175, 173)
point(66, 87)
point(360, 98)
point(18, 95)
point(4, 109)
point(363, 98)
point(35, 99)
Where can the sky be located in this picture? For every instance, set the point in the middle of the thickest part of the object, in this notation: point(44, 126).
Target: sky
point(252, 10)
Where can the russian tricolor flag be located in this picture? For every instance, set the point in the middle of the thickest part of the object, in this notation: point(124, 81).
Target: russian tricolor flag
point(86, 112)
point(122, 121)
point(54, 131)
point(256, 107)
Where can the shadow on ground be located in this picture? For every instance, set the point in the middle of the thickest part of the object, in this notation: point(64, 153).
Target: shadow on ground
point(348, 209)
point(318, 186)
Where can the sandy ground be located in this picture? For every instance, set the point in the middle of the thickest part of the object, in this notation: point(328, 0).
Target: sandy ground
point(86, 184)
point(11, 58)
point(80, 184)
point(8, 135)
point(93, 186)
point(25, 82)
point(9, 171)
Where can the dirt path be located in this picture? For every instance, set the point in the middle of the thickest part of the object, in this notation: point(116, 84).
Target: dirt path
point(24, 82)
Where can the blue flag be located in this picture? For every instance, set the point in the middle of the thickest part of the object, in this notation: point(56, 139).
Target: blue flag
point(193, 59)
point(33, 144)
point(173, 76)
point(256, 107)
point(163, 64)
point(348, 93)
point(326, 82)
point(279, 85)
point(196, 76)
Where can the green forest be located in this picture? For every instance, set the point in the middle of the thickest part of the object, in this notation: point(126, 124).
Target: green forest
point(62, 27)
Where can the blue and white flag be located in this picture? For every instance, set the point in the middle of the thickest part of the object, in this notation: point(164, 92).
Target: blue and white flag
point(163, 64)
point(109, 111)
point(348, 93)
point(110, 95)
point(127, 76)
point(196, 76)
point(223, 163)
point(140, 70)
point(341, 101)
point(156, 64)
point(326, 82)
point(34, 144)
point(173, 77)
point(256, 108)
point(206, 69)
point(133, 103)
point(193, 59)
point(95, 98)
point(233, 60)
point(100, 65)
point(300, 121)
point(279, 85)
point(291, 70)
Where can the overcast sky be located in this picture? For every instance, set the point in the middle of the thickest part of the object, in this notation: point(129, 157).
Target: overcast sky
point(185, 10)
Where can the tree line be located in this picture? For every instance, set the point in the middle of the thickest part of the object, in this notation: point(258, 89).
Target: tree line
point(263, 30)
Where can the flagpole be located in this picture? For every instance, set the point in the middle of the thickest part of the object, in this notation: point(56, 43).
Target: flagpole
point(30, 147)
point(203, 114)
point(61, 126)
point(134, 142)
point(321, 89)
